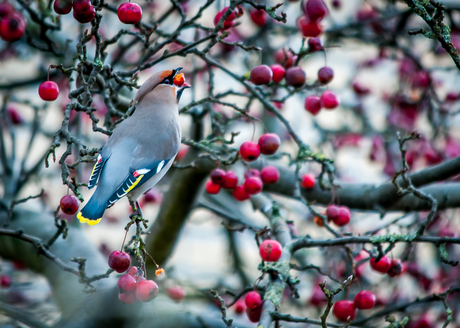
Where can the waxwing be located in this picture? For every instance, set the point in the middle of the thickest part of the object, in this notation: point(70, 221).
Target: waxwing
point(141, 149)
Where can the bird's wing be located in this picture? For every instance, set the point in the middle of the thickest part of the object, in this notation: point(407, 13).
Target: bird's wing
point(137, 177)
point(139, 148)
point(97, 169)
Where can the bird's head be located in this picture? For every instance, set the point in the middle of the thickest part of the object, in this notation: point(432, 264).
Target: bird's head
point(166, 85)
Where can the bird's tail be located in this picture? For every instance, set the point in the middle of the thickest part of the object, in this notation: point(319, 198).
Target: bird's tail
point(92, 212)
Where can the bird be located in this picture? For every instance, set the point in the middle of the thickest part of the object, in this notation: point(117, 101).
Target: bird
point(141, 149)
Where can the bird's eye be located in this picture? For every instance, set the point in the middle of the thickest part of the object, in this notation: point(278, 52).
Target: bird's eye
point(167, 81)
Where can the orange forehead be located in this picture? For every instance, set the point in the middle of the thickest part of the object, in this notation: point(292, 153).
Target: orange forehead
point(166, 73)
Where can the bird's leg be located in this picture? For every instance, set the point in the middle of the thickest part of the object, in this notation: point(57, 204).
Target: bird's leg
point(139, 210)
point(136, 208)
point(137, 215)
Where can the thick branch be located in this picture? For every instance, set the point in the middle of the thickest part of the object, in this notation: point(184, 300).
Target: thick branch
point(381, 198)
point(175, 209)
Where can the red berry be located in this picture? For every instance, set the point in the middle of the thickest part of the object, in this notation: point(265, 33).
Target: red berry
point(270, 250)
point(308, 181)
point(313, 104)
point(153, 196)
point(253, 185)
point(129, 13)
point(359, 89)
point(183, 149)
point(5, 281)
point(18, 265)
point(252, 173)
point(253, 300)
point(261, 75)
point(212, 188)
point(6, 9)
point(128, 298)
point(48, 91)
point(230, 180)
point(240, 194)
point(119, 261)
point(228, 23)
point(12, 27)
point(69, 204)
point(259, 17)
point(315, 44)
point(270, 174)
point(146, 290)
point(127, 283)
point(217, 176)
point(14, 116)
point(325, 75)
point(81, 5)
point(423, 322)
point(176, 293)
point(269, 143)
point(83, 11)
point(285, 58)
point(329, 100)
point(278, 73)
point(381, 266)
point(62, 7)
point(343, 310)
point(332, 212)
point(343, 217)
point(308, 27)
point(315, 9)
point(254, 314)
point(364, 300)
point(296, 77)
point(396, 268)
point(249, 151)
point(240, 306)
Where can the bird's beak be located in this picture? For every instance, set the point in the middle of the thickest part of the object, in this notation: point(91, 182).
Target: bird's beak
point(181, 89)
point(174, 72)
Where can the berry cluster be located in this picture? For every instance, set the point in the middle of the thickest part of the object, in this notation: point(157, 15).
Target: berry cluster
point(254, 304)
point(344, 310)
point(84, 11)
point(296, 77)
point(392, 267)
point(314, 12)
point(263, 75)
point(270, 251)
point(340, 215)
point(12, 23)
point(133, 286)
point(254, 181)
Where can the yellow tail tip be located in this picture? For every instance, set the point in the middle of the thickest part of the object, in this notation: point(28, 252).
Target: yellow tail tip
point(88, 221)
